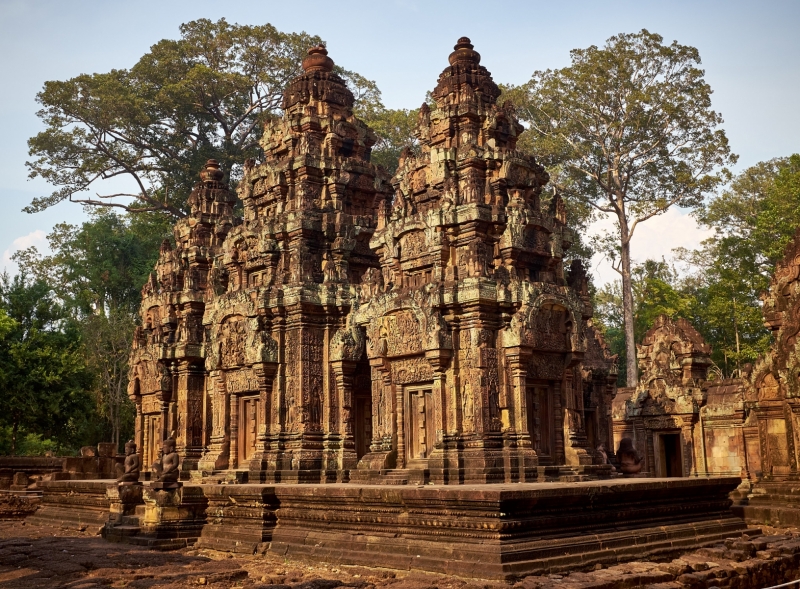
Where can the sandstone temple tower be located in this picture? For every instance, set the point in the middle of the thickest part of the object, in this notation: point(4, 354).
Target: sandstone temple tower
point(167, 378)
point(353, 327)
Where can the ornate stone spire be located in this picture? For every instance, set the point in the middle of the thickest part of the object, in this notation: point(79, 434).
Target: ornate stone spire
point(211, 196)
point(318, 84)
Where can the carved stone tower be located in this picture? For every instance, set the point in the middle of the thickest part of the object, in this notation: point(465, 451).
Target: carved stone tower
point(473, 333)
point(282, 288)
point(167, 373)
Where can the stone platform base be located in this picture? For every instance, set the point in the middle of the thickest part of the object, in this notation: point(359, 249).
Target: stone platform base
point(239, 518)
point(772, 503)
point(73, 504)
point(500, 531)
point(503, 531)
point(165, 519)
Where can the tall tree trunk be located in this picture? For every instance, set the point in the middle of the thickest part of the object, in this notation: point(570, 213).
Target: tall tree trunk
point(632, 370)
point(14, 431)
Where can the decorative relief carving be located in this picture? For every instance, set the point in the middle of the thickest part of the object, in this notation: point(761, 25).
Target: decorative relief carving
point(402, 334)
point(233, 334)
point(413, 244)
point(311, 359)
point(546, 367)
point(411, 370)
point(241, 381)
point(151, 404)
point(662, 422)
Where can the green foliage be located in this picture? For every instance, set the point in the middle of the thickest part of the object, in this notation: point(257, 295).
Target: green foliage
point(29, 444)
point(43, 374)
point(628, 131)
point(100, 265)
point(395, 130)
point(657, 290)
point(753, 220)
point(97, 270)
point(205, 95)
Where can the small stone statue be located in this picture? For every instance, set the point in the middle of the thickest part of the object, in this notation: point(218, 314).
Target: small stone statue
point(630, 461)
point(132, 465)
point(601, 456)
point(166, 469)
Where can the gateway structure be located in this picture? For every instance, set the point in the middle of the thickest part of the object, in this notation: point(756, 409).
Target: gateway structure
point(359, 327)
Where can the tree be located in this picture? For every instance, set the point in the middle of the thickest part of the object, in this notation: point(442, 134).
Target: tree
point(753, 219)
point(205, 95)
point(631, 128)
point(44, 377)
point(657, 290)
point(97, 270)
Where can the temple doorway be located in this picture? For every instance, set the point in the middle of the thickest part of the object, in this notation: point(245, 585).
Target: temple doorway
point(362, 430)
point(362, 408)
point(420, 431)
point(540, 421)
point(155, 434)
point(670, 463)
point(249, 421)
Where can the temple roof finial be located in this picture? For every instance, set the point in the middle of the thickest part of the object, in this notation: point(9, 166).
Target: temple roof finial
point(317, 60)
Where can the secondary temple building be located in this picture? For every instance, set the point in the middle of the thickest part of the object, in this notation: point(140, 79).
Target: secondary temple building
point(361, 326)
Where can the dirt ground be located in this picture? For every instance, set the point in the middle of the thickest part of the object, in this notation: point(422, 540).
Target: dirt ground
point(45, 557)
point(42, 557)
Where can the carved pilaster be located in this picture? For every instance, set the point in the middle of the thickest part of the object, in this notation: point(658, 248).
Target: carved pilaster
point(217, 457)
point(343, 371)
point(265, 374)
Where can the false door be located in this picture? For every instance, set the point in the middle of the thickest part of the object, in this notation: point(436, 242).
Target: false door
point(249, 422)
point(540, 420)
point(155, 434)
point(420, 423)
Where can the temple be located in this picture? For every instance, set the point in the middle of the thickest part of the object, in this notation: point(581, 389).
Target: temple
point(357, 326)
point(423, 337)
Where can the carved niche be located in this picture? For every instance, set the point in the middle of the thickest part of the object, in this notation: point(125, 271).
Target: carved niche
point(400, 334)
point(233, 335)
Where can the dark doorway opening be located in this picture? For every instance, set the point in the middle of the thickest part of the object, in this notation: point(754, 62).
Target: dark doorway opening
point(363, 425)
point(670, 455)
point(362, 409)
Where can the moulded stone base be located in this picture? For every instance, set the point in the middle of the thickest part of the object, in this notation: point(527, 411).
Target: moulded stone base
point(502, 531)
point(774, 503)
point(239, 518)
point(498, 531)
point(73, 504)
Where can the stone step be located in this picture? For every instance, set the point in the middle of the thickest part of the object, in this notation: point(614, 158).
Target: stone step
point(124, 530)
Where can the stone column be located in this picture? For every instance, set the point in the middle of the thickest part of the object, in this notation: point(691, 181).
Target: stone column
point(217, 457)
point(233, 456)
point(343, 371)
point(189, 407)
point(399, 403)
point(265, 375)
point(517, 359)
point(690, 463)
point(574, 433)
point(439, 360)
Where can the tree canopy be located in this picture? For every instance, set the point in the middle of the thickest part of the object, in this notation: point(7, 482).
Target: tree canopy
point(43, 375)
point(153, 126)
point(629, 131)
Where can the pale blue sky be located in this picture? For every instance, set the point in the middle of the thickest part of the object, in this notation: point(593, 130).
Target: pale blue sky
point(750, 51)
